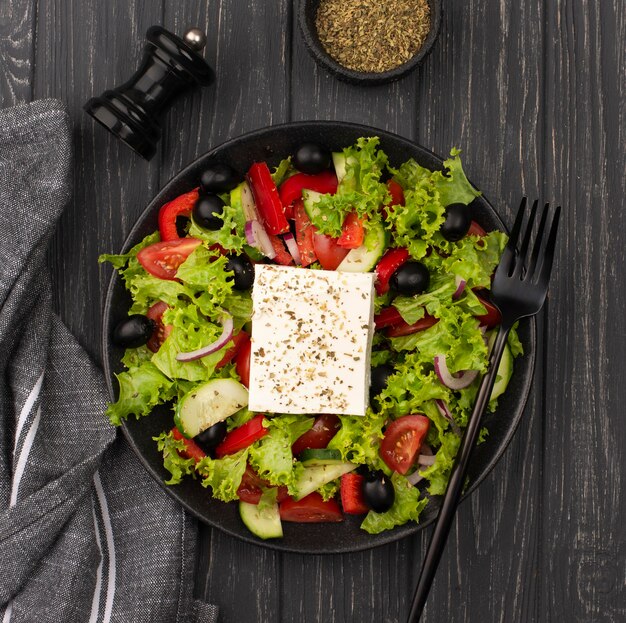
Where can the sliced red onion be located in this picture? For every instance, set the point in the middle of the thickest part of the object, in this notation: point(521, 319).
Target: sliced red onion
point(464, 379)
point(460, 286)
point(426, 459)
point(222, 340)
point(247, 203)
point(292, 247)
point(415, 477)
point(257, 237)
point(445, 411)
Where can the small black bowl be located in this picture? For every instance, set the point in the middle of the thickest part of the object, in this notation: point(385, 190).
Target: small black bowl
point(306, 19)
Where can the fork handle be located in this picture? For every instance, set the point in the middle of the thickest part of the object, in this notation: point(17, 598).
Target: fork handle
point(455, 484)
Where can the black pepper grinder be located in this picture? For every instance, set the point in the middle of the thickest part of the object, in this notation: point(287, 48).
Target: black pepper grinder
point(169, 67)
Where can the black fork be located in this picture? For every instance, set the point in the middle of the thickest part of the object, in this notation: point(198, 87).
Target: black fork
point(519, 289)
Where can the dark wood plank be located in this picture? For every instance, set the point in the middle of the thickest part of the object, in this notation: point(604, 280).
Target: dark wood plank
point(248, 46)
point(17, 36)
point(82, 49)
point(584, 533)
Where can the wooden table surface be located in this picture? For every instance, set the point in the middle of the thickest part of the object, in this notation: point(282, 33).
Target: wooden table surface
point(533, 92)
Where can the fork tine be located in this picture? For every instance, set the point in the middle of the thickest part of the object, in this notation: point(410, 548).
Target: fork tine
point(508, 255)
point(545, 267)
point(523, 252)
point(530, 269)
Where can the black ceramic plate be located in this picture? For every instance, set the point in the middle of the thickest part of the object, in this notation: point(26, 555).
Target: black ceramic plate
point(271, 145)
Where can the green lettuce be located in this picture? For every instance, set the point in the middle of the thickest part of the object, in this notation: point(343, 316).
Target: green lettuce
point(231, 235)
point(283, 171)
point(439, 473)
point(330, 489)
point(174, 463)
point(359, 437)
point(407, 506)
point(223, 475)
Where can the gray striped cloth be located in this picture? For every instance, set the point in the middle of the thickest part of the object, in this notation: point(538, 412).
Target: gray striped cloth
point(85, 534)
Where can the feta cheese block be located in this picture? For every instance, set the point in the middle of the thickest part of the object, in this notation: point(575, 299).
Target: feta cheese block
point(311, 341)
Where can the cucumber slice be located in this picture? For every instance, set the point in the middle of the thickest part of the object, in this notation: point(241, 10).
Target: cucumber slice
point(312, 457)
point(365, 257)
point(264, 523)
point(505, 371)
point(309, 199)
point(312, 478)
point(340, 163)
point(209, 404)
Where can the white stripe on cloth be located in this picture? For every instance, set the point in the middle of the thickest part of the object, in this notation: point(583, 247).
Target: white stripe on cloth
point(95, 603)
point(108, 531)
point(26, 409)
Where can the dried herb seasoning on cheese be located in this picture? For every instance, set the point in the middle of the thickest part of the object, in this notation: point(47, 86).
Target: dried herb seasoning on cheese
point(371, 35)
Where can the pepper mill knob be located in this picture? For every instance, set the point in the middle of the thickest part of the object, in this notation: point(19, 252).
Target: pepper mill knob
point(169, 67)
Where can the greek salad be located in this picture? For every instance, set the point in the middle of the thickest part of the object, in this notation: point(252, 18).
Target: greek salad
point(190, 335)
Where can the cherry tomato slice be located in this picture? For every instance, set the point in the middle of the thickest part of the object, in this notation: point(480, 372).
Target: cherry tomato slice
point(251, 488)
point(181, 206)
point(242, 362)
point(396, 192)
point(476, 230)
point(317, 437)
point(304, 234)
point(310, 509)
point(328, 252)
point(161, 332)
point(239, 342)
point(493, 317)
point(388, 264)
point(398, 330)
point(387, 317)
point(162, 259)
point(402, 441)
point(352, 499)
point(291, 189)
point(242, 437)
point(192, 449)
point(353, 233)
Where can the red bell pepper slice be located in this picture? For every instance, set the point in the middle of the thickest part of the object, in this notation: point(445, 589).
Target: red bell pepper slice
point(181, 206)
point(387, 317)
point(291, 189)
point(493, 317)
point(242, 437)
point(304, 234)
point(352, 232)
point(388, 264)
point(310, 509)
point(403, 328)
point(192, 449)
point(352, 499)
point(283, 256)
point(240, 339)
point(267, 199)
point(396, 192)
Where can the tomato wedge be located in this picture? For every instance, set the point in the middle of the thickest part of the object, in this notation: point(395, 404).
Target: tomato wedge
point(396, 192)
point(476, 230)
point(304, 234)
point(162, 259)
point(352, 232)
point(242, 437)
point(181, 206)
point(310, 509)
point(242, 362)
point(267, 199)
point(251, 487)
point(239, 342)
point(161, 332)
point(328, 252)
point(291, 189)
point(317, 437)
point(493, 317)
point(388, 264)
point(387, 317)
point(402, 441)
point(192, 449)
point(400, 329)
point(352, 499)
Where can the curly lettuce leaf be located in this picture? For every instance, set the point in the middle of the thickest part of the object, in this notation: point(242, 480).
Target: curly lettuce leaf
point(174, 463)
point(141, 388)
point(231, 235)
point(439, 473)
point(330, 489)
point(223, 475)
point(407, 506)
point(283, 171)
point(359, 437)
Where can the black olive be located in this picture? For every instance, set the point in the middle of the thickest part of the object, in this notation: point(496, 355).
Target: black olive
point(378, 492)
point(219, 178)
point(133, 332)
point(207, 212)
point(212, 436)
point(312, 159)
point(243, 269)
point(457, 223)
point(411, 278)
point(379, 376)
